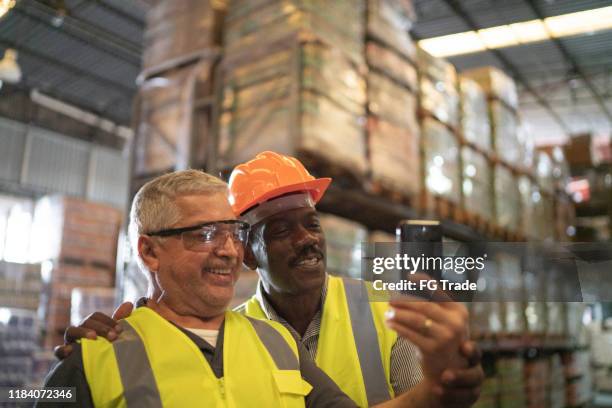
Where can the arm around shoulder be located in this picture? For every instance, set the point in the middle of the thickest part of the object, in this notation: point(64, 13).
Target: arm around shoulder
point(70, 373)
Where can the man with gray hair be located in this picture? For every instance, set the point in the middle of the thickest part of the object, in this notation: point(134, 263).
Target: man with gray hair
point(181, 347)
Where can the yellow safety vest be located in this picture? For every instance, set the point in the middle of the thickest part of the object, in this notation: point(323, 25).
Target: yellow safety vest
point(355, 345)
point(154, 364)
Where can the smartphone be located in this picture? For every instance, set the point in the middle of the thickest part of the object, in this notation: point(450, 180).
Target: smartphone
point(421, 239)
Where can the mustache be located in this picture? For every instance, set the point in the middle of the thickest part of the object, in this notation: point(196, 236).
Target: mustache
point(306, 251)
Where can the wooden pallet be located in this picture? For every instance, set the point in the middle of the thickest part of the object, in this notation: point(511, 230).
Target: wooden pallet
point(496, 231)
point(84, 262)
point(422, 114)
point(342, 175)
point(442, 208)
point(477, 222)
point(392, 194)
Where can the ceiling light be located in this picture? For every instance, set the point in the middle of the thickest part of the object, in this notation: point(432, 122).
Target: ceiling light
point(530, 31)
point(9, 69)
point(582, 22)
point(454, 44)
point(5, 6)
point(497, 37)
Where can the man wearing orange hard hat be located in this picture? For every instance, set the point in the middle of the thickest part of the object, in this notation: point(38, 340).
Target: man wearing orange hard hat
point(350, 339)
point(354, 341)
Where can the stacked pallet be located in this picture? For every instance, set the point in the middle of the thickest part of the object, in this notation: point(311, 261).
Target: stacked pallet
point(174, 30)
point(512, 285)
point(476, 187)
point(474, 115)
point(87, 300)
point(392, 132)
point(507, 199)
point(503, 103)
point(486, 312)
point(535, 281)
point(475, 132)
point(388, 22)
point(439, 116)
point(174, 102)
point(19, 335)
point(546, 182)
point(343, 239)
point(301, 91)
point(512, 382)
point(556, 382)
point(575, 327)
point(261, 23)
point(502, 138)
point(489, 393)
point(529, 197)
point(579, 381)
point(381, 244)
point(79, 249)
point(537, 382)
point(564, 209)
point(20, 285)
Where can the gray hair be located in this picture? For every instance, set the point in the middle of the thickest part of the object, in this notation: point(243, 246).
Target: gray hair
point(154, 209)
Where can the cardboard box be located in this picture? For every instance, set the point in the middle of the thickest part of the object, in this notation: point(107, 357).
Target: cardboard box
point(321, 116)
point(394, 158)
point(495, 83)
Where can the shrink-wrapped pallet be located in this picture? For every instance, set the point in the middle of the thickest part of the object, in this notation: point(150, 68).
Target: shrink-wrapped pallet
point(438, 69)
point(495, 83)
point(390, 102)
point(180, 29)
point(512, 289)
point(170, 125)
point(389, 21)
point(561, 170)
point(260, 23)
point(529, 197)
point(512, 383)
point(477, 183)
point(75, 229)
point(441, 160)
point(486, 317)
point(391, 64)
point(544, 172)
point(344, 240)
point(438, 88)
point(504, 131)
point(507, 198)
point(394, 156)
point(85, 301)
point(60, 280)
point(544, 216)
point(474, 114)
point(302, 99)
point(535, 279)
point(20, 285)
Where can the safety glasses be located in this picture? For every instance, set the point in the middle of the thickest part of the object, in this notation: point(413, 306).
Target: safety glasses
point(203, 237)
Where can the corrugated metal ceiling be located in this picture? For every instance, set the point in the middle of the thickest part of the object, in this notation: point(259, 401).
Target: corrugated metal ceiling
point(542, 64)
point(92, 57)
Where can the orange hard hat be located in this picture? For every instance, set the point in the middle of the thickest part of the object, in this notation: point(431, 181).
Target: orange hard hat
point(270, 175)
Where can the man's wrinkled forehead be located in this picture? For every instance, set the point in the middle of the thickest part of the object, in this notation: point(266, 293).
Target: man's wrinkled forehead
point(277, 206)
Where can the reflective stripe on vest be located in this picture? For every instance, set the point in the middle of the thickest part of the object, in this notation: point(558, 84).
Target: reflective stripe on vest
point(281, 353)
point(166, 369)
point(366, 340)
point(345, 347)
point(134, 366)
